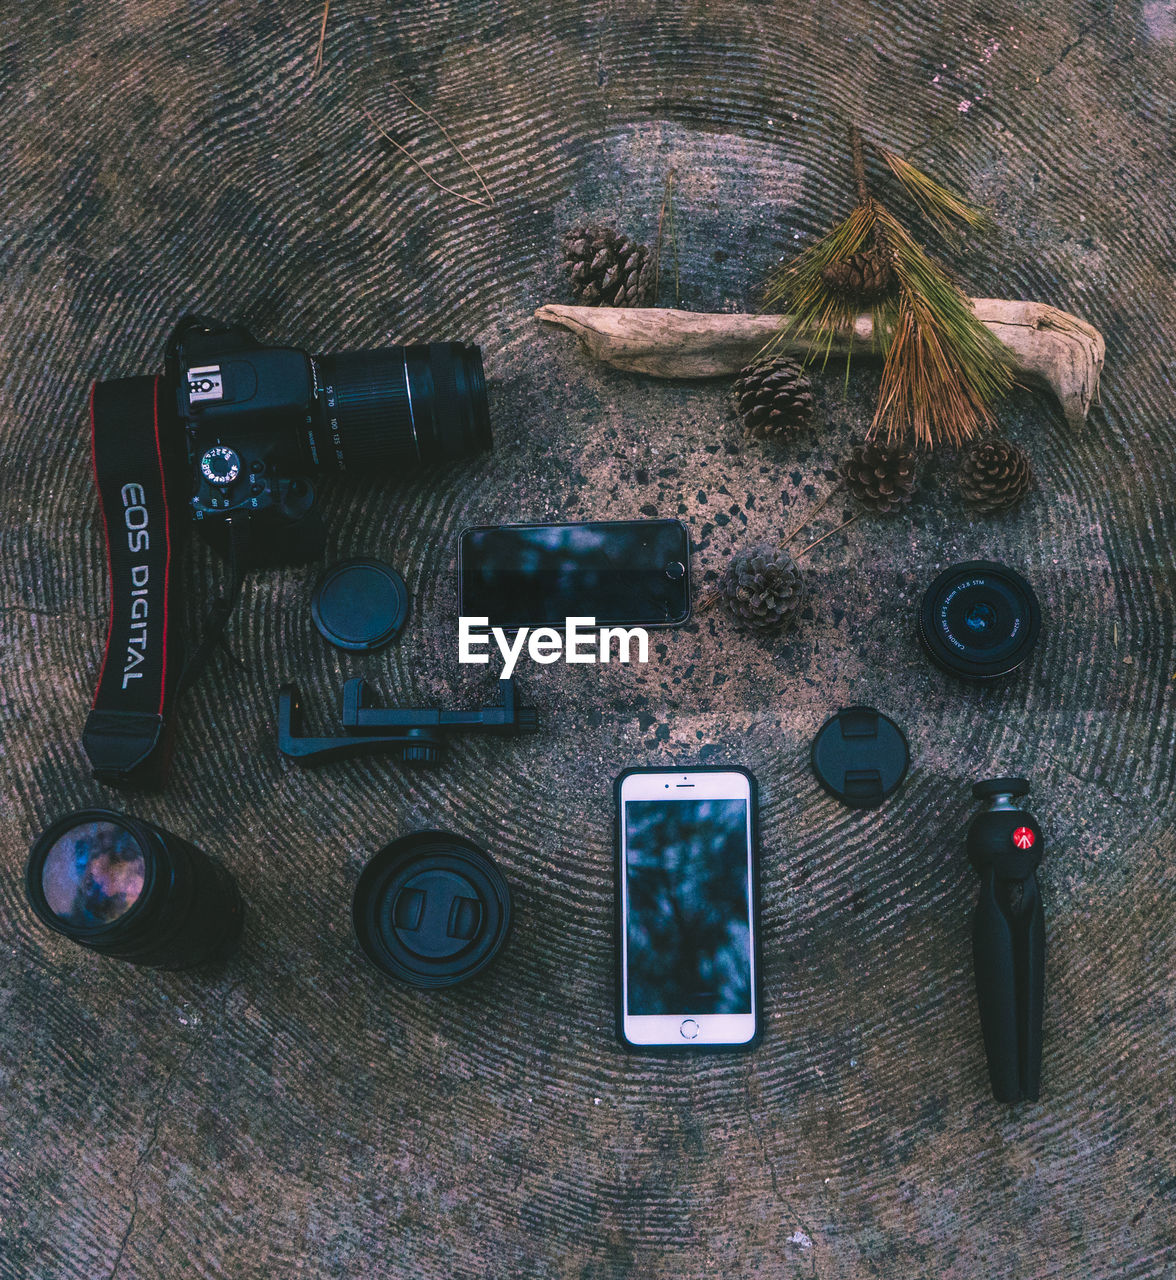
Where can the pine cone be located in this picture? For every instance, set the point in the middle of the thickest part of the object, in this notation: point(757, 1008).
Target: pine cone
point(881, 477)
point(772, 397)
point(607, 269)
point(763, 588)
point(864, 278)
point(994, 475)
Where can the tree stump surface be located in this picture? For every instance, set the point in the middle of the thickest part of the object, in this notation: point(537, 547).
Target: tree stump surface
point(293, 1113)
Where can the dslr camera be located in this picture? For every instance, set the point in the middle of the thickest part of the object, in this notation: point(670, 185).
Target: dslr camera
point(236, 430)
point(259, 421)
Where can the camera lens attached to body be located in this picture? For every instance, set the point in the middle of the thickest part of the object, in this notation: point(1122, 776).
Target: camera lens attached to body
point(979, 620)
point(133, 891)
point(401, 406)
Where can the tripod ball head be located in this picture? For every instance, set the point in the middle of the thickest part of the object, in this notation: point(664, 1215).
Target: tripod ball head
point(1003, 835)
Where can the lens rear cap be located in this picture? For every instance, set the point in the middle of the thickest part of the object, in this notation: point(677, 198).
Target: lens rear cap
point(860, 756)
point(431, 909)
point(360, 604)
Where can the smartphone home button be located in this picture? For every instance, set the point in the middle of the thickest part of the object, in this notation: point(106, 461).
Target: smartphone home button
point(689, 1029)
point(676, 571)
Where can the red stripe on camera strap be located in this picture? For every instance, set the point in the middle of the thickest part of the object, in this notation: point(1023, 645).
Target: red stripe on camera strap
point(127, 733)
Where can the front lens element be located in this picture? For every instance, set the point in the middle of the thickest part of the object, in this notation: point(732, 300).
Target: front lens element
point(93, 874)
point(980, 618)
point(130, 890)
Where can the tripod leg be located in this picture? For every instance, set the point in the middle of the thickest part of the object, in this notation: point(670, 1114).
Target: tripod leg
point(996, 991)
point(1031, 970)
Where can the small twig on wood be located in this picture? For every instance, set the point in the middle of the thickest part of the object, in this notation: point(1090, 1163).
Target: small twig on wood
point(878, 235)
point(482, 204)
point(473, 168)
point(661, 221)
point(811, 545)
point(318, 53)
point(824, 502)
point(667, 206)
point(713, 594)
point(674, 244)
point(859, 165)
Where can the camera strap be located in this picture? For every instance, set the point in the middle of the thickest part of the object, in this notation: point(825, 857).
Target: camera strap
point(216, 619)
point(127, 733)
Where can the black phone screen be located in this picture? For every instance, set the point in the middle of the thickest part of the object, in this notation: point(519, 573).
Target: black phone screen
point(630, 572)
point(687, 924)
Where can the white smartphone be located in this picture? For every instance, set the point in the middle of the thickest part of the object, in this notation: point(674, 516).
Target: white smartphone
point(687, 909)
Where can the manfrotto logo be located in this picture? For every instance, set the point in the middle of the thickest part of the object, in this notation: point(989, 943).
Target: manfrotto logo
point(581, 640)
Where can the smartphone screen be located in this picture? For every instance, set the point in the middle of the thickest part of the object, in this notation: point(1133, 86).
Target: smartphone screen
point(620, 572)
point(687, 909)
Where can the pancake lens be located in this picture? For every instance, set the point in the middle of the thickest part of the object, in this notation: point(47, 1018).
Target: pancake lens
point(979, 620)
point(93, 874)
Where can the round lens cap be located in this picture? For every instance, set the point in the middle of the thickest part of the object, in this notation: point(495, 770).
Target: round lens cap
point(360, 604)
point(860, 756)
point(431, 909)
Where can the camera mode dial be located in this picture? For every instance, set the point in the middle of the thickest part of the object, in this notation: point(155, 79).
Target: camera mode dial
point(220, 465)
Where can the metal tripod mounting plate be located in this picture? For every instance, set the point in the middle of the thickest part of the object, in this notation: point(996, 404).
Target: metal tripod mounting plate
point(415, 735)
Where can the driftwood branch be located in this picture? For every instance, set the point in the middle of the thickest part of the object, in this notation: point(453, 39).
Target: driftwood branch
point(1047, 347)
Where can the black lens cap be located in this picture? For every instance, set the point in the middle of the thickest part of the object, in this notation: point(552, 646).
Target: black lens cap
point(431, 909)
point(360, 604)
point(860, 756)
point(979, 620)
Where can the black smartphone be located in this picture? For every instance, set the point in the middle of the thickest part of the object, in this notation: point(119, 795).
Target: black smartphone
point(621, 572)
point(688, 971)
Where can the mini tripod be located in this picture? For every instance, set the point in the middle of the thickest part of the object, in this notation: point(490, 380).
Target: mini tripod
point(1008, 943)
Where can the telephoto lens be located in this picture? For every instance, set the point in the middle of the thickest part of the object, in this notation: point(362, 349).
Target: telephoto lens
point(130, 890)
point(431, 909)
point(402, 406)
point(979, 620)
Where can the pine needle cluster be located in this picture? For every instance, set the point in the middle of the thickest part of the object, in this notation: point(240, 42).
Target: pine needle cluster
point(943, 369)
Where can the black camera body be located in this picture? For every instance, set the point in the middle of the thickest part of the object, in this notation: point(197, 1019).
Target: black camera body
point(259, 421)
point(247, 410)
